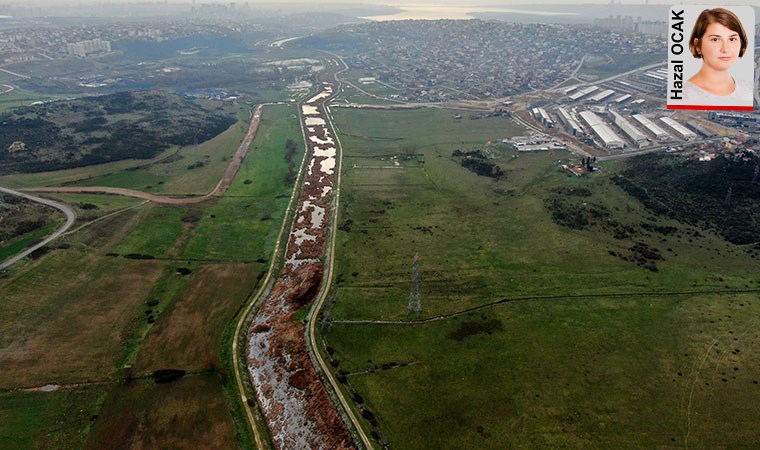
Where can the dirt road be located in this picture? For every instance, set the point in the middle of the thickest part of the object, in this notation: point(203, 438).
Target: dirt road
point(221, 187)
point(70, 217)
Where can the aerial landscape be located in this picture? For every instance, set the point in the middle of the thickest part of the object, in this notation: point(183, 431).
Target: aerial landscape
point(375, 225)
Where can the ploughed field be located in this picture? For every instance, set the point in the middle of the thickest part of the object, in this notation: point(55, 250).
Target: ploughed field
point(556, 311)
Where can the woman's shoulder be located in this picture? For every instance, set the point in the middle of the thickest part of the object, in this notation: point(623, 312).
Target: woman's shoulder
point(744, 86)
point(694, 93)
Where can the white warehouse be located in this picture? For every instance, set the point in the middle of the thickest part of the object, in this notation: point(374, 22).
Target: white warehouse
point(602, 95)
point(681, 130)
point(636, 136)
point(601, 129)
point(583, 92)
point(653, 128)
point(570, 122)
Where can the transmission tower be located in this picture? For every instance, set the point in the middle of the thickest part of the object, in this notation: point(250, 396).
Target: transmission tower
point(727, 201)
point(415, 305)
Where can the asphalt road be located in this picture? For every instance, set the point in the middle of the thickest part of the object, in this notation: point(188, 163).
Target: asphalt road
point(70, 217)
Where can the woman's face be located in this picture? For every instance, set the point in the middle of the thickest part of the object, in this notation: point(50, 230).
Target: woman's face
point(719, 46)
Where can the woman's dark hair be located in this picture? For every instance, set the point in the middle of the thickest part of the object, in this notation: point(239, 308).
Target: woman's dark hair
point(716, 15)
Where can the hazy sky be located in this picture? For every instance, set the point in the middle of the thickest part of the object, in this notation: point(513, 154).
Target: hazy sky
point(381, 2)
point(460, 3)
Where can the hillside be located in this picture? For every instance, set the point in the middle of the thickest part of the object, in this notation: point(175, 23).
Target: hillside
point(721, 195)
point(94, 130)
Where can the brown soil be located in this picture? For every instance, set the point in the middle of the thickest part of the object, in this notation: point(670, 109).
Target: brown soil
point(295, 402)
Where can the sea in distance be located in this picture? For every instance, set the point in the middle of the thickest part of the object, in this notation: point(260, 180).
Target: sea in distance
point(431, 12)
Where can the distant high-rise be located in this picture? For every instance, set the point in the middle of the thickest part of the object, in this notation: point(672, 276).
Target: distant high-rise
point(84, 48)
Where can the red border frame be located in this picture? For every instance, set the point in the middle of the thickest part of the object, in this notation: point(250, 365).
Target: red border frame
point(711, 107)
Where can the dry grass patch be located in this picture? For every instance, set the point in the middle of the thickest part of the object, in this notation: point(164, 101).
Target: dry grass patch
point(66, 320)
point(188, 413)
point(188, 335)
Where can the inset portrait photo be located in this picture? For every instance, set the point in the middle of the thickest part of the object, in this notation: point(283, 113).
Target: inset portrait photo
point(711, 58)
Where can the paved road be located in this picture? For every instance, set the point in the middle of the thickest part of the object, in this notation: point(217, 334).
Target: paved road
point(70, 217)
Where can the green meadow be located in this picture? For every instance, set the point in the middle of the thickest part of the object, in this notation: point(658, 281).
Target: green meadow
point(192, 170)
point(628, 331)
point(189, 170)
point(139, 288)
point(243, 225)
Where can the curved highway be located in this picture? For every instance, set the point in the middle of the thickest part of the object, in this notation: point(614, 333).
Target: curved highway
point(70, 217)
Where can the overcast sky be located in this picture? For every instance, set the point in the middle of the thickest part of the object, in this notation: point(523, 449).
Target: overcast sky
point(381, 2)
point(460, 3)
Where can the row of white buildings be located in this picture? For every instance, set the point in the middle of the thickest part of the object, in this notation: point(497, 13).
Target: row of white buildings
point(637, 128)
point(82, 49)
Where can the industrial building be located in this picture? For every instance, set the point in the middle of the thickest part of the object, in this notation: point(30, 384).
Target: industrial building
point(681, 131)
point(535, 143)
point(701, 129)
point(602, 95)
point(655, 76)
point(653, 128)
point(602, 130)
point(545, 119)
point(636, 136)
point(734, 119)
point(622, 98)
point(572, 125)
point(582, 93)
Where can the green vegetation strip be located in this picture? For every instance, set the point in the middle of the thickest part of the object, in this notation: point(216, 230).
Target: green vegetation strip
point(615, 323)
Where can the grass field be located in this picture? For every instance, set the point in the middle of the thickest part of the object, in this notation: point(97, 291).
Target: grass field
point(538, 336)
point(203, 307)
point(71, 176)
point(169, 173)
point(21, 243)
point(18, 98)
point(66, 317)
point(49, 420)
point(243, 225)
point(616, 64)
point(158, 233)
point(174, 176)
point(188, 413)
point(89, 314)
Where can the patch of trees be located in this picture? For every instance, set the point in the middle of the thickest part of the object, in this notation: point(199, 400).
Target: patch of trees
point(19, 228)
point(642, 255)
point(475, 161)
point(721, 195)
point(573, 191)
point(571, 213)
point(290, 153)
point(167, 375)
point(573, 208)
point(95, 130)
point(472, 328)
point(90, 125)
